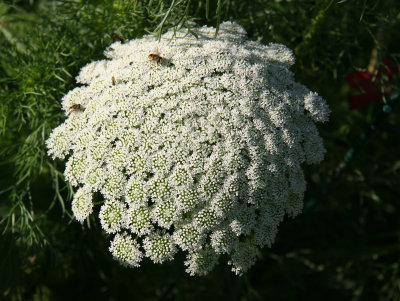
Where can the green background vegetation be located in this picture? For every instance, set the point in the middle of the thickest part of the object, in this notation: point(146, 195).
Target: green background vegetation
point(345, 246)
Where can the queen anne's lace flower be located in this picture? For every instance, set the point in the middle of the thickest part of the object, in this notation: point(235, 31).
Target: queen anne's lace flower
point(138, 220)
point(112, 216)
point(82, 205)
point(126, 250)
point(201, 261)
point(200, 152)
point(189, 237)
point(159, 247)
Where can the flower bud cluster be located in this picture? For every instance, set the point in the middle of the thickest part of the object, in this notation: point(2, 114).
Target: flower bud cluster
point(200, 151)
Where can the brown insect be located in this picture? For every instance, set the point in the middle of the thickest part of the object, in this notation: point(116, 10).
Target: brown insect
point(155, 57)
point(113, 80)
point(114, 37)
point(74, 107)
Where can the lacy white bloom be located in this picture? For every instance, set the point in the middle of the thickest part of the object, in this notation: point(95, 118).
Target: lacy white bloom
point(201, 151)
point(223, 240)
point(159, 247)
point(138, 220)
point(243, 257)
point(126, 250)
point(189, 237)
point(201, 261)
point(112, 216)
point(82, 205)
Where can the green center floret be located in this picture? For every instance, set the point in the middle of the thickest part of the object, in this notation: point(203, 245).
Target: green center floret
point(139, 220)
point(94, 177)
point(189, 237)
point(201, 261)
point(135, 163)
point(160, 189)
point(186, 199)
point(135, 192)
point(114, 184)
point(82, 205)
point(75, 168)
point(112, 216)
point(159, 247)
point(164, 213)
point(126, 250)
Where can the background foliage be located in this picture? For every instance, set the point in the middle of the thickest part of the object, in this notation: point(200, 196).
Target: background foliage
point(346, 245)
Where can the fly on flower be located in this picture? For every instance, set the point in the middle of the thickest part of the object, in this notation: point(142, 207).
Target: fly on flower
point(155, 57)
point(74, 107)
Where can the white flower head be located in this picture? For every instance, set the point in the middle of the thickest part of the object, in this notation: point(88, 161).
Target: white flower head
point(243, 257)
point(223, 240)
point(189, 237)
point(112, 216)
point(200, 152)
point(82, 205)
point(201, 261)
point(159, 247)
point(138, 220)
point(126, 250)
point(59, 142)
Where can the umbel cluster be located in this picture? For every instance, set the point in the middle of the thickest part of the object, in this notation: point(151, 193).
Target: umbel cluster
point(194, 143)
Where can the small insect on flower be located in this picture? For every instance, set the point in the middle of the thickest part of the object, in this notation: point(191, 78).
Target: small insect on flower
point(155, 57)
point(74, 107)
point(113, 80)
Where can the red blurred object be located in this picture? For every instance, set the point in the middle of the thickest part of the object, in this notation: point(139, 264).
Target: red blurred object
point(370, 85)
point(114, 37)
